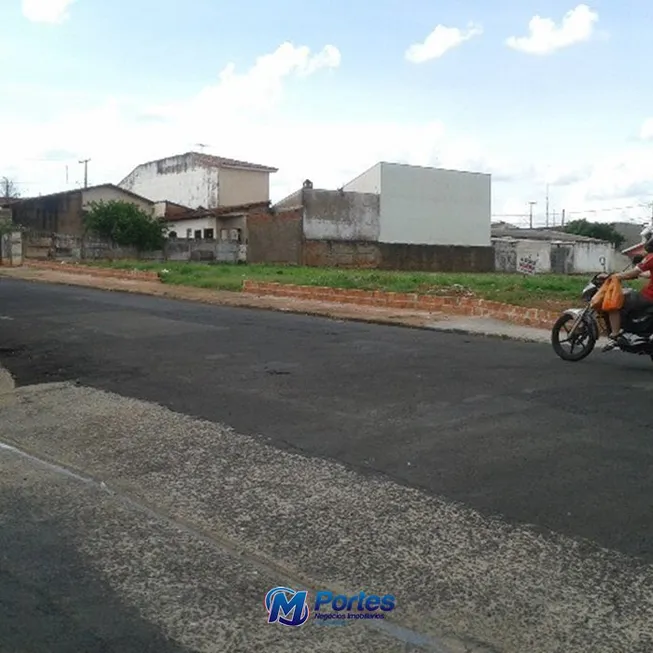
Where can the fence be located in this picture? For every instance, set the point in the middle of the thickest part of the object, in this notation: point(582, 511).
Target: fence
point(62, 247)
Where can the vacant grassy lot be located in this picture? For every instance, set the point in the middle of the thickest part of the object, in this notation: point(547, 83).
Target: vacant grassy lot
point(544, 291)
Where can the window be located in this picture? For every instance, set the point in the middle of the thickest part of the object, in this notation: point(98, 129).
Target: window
point(189, 233)
point(235, 235)
point(208, 234)
point(198, 233)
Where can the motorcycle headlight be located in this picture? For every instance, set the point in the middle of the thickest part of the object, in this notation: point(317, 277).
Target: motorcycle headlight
point(588, 292)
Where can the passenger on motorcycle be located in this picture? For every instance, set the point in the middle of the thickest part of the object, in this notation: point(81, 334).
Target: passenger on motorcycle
point(633, 301)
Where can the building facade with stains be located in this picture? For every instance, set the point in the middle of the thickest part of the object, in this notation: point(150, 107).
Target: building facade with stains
point(63, 213)
point(200, 181)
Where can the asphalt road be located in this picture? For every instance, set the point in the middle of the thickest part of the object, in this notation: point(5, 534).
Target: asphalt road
point(501, 426)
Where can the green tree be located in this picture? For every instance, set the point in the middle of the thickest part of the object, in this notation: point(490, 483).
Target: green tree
point(600, 230)
point(126, 225)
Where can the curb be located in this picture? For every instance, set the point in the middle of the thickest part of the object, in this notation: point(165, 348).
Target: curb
point(7, 383)
point(465, 306)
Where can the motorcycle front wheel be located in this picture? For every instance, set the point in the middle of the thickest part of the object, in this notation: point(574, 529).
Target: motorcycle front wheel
point(574, 347)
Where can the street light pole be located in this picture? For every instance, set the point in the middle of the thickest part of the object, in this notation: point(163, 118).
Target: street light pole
point(85, 163)
point(531, 205)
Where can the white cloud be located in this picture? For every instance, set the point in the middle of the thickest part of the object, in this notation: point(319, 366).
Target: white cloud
point(46, 11)
point(546, 37)
point(440, 41)
point(646, 132)
point(242, 116)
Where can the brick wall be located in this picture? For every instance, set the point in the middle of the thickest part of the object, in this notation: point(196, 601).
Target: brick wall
point(533, 317)
point(275, 237)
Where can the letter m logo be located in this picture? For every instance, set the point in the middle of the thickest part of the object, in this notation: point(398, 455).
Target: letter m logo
point(286, 606)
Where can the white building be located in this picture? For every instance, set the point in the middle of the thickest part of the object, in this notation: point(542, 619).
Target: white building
point(200, 181)
point(429, 206)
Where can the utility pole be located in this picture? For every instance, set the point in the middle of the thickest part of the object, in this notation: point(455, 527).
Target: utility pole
point(547, 205)
point(553, 218)
point(84, 162)
point(563, 218)
point(531, 205)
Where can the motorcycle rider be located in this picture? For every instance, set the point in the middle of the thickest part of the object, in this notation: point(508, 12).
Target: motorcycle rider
point(635, 300)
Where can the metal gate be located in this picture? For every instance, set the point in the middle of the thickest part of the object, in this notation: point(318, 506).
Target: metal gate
point(562, 258)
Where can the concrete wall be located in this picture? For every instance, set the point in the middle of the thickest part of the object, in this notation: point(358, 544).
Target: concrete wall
point(593, 257)
point(111, 194)
point(429, 206)
point(67, 247)
point(11, 248)
point(243, 186)
point(178, 179)
point(275, 238)
point(388, 256)
point(335, 215)
point(367, 182)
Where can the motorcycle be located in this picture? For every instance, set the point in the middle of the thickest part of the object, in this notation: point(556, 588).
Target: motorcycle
point(579, 328)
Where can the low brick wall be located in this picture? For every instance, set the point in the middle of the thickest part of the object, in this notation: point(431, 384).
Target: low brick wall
point(139, 275)
point(532, 317)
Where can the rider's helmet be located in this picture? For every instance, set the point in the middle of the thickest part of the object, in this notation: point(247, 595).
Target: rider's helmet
point(648, 245)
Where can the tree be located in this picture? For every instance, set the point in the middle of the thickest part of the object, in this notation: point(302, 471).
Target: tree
point(600, 230)
point(126, 225)
point(8, 189)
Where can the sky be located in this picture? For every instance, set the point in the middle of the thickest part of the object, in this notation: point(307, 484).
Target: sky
point(539, 94)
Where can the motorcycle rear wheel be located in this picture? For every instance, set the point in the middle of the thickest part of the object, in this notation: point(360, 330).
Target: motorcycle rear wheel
point(581, 344)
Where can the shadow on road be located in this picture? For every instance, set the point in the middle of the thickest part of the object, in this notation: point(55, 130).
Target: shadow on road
point(50, 600)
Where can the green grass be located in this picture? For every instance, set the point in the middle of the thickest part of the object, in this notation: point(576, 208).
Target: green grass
point(510, 288)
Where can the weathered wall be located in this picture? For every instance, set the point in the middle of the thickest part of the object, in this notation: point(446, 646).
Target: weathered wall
point(335, 215)
point(392, 256)
point(291, 201)
point(178, 179)
point(65, 247)
point(56, 213)
point(430, 206)
point(508, 253)
point(436, 258)
point(11, 248)
point(557, 258)
point(339, 253)
point(109, 194)
point(243, 186)
point(593, 257)
point(276, 237)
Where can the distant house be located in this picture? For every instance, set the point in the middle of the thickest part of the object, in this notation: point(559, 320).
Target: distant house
point(200, 181)
point(63, 212)
point(226, 223)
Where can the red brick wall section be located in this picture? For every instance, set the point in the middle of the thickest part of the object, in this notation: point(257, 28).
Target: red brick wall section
point(532, 317)
point(140, 275)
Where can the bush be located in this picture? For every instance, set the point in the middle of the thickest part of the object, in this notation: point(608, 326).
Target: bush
point(126, 224)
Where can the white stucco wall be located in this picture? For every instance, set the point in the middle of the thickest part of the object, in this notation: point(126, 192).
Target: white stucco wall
point(177, 180)
point(590, 257)
point(239, 186)
point(367, 182)
point(182, 226)
point(429, 206)
point(538, 250)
